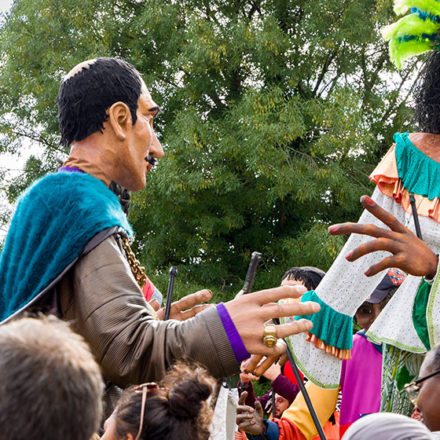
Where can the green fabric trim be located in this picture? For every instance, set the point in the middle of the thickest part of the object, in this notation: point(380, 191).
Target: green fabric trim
point(419, 173)
point(434, 291)
point(332, 327)
point(380, 340)
point(419, 313)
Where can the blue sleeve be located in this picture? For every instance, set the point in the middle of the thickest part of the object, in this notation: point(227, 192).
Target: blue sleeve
point(272, 432)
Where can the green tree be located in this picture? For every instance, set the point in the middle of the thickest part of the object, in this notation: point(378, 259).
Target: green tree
point(274, 113)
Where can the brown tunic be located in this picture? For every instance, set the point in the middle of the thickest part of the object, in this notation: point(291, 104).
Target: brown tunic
point(101, 298)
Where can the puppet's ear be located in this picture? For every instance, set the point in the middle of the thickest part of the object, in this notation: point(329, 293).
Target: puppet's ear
point(119, 119)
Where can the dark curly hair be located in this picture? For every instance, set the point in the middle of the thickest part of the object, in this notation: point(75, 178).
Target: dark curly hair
point(84, 97)
point(309, 275)
point(177, 411)
point(427, 96)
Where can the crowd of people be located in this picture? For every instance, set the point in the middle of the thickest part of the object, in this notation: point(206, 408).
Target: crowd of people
point(83, 334)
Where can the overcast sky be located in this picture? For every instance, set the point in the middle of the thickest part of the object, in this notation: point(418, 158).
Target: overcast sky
point(5, 5)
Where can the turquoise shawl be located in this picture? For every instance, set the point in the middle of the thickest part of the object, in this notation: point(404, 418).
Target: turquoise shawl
point(55, 218)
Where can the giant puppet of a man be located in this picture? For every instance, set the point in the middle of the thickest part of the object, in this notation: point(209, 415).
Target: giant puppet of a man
point(63, 251)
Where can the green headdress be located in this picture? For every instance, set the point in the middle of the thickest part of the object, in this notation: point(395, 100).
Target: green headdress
point(415, 33)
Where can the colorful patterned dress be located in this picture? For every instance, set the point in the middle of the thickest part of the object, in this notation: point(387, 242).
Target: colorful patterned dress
point(411, 320)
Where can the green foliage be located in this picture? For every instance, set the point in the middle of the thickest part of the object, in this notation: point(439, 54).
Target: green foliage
point(274, 113)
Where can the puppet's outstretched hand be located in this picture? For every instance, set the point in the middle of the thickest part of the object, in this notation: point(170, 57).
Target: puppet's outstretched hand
point(250, 313)
point(409, 253)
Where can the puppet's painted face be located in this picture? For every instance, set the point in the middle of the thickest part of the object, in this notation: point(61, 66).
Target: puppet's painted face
point(141, 142)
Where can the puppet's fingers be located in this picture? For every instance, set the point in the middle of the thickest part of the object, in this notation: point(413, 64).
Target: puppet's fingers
point(243, 414)
point(263, 366)
point(183, 316)
point(386, 263)
point(384, 216)
point(380, 244)
point(259, 408)
point(191, 300)
point(360, 228)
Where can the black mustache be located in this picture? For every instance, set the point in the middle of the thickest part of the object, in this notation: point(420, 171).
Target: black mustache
point(151, 160)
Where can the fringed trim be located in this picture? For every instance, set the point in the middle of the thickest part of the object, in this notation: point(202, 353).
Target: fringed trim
point(332, 331)
point(425, 207)
point(386, 176)
point(336, 352)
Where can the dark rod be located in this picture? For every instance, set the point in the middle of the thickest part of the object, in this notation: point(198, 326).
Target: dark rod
point(173, 274)
point(273, 402)
point(303, 389)
point(250, 275)
point(412, 201)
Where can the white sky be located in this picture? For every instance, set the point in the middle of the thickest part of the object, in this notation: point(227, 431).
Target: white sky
point(5, 5)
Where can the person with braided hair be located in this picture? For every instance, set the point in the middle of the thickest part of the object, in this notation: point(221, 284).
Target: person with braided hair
point(177, 409)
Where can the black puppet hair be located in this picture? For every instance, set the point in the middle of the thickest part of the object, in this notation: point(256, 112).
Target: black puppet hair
point(84, 97)
point(310, 276)
point(427, 96)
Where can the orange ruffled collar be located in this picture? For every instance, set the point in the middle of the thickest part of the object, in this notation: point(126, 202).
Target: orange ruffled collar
point(387, 179)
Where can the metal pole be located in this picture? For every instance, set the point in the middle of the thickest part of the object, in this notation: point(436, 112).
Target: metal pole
point(173, 274)
point(303, 389)
point(250, 275)
point(412, 201)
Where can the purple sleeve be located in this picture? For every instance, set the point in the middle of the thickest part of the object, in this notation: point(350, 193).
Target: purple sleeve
point(234, 337)
point(264, 399)
point(285, 388)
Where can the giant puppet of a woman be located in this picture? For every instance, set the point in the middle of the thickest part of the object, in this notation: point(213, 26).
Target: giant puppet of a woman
point(410, 324)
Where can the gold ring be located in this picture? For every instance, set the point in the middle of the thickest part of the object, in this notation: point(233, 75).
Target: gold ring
point(270, 335)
